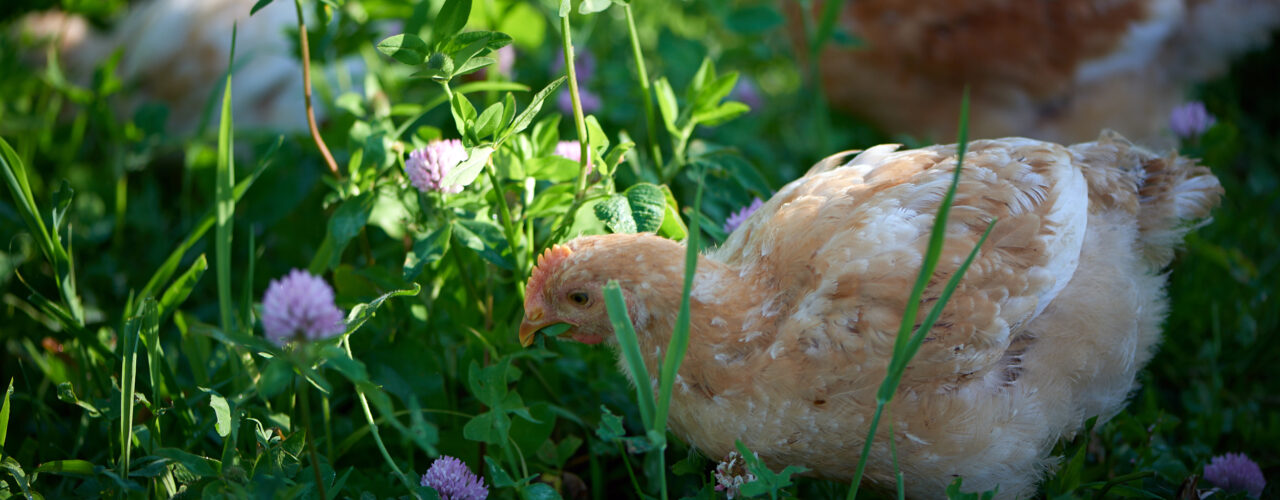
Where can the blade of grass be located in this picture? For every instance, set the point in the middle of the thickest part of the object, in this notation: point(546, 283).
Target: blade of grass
point(646, 90)
point(50, 244)
point(680, 335)
point(147, 319)
point(166, 269)
point(4, 417)
point(906, 344)
point(630, 347)
point(224, 189)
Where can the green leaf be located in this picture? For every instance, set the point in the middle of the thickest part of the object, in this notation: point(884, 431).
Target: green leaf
point(464, 114)
point(485, 238)
point(427, 249)
point(197, 465)
point(347, 222)
point(497, 474)
point(15, 469)
point(222, 412)
point(672, 225)
point(462, 58)
point(67, 394)
point(712, 93)
point(406, 48)
point(545, 136)
point(466, 172)
point(4, 417)
point(955, 493)
point(540, 491)
point(224, 194)
point(508, 111)
point(362, 312)
point(529, 434)
point(491, 427)
point(182, 287)
point(595, 134)
point(489, 120)
point(450, 20)
point(615, 212)
point(593, 6)
point(648, 206)
point(61, 202)
point(473, 64)
point(766, 481)
point(275, 377)
point(555, 200)
point(80, 468)
point(721, 113)
point(259, 5)
point(352, 369)
point(667, 104)
point(535, 104)
point(610, 427)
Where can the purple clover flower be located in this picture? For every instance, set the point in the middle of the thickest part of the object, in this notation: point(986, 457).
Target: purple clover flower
point(589, 100)
point(426, 167)
point(300, 304)
point(1235, 472)
point(573, 151)
point(737, 218)
point(454, 481)
point(505, 58)
point(1190, 120)
point(747, 92)
point(584, 64)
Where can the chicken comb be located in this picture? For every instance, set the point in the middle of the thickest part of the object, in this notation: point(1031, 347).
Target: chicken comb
point(547, 263)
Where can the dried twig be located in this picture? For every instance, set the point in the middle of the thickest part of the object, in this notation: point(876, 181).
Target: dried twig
point(306, 87)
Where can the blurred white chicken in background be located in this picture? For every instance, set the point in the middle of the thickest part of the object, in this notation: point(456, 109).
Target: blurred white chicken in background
point(1053, 70)
point(175, 52)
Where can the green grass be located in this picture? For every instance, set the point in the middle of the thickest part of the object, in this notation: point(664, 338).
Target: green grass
point(133, 374)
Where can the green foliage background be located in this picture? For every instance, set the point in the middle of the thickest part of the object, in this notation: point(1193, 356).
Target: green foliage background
point(135, 372)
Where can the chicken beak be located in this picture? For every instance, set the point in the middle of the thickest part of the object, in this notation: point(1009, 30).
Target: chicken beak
point(534, 320)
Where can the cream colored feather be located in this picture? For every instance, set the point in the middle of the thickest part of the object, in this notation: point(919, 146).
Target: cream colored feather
point(795, 316)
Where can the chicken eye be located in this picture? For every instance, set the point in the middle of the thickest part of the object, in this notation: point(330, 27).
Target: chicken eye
point(579, 298)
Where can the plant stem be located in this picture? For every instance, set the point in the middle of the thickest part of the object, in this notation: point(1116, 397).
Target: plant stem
point(311, 445)
point(508, 222)
point(579, 121)
point(306, 92)
point(645, 89)
point(373, 427)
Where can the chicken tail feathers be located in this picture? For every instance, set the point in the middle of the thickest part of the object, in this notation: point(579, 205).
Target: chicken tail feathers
point(1176, 196)
point(1170, 194)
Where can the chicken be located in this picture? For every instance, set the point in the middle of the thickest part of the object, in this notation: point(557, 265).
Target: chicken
point(795, 316)
point(176, 52)
point(1051, 70)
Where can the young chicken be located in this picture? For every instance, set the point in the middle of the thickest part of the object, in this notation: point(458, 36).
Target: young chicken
point(795, 316)
point(1054, 70)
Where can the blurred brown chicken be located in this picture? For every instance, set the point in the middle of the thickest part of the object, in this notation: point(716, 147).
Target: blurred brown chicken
point(175, 52)
point(794, 317)
point(1053, 70)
